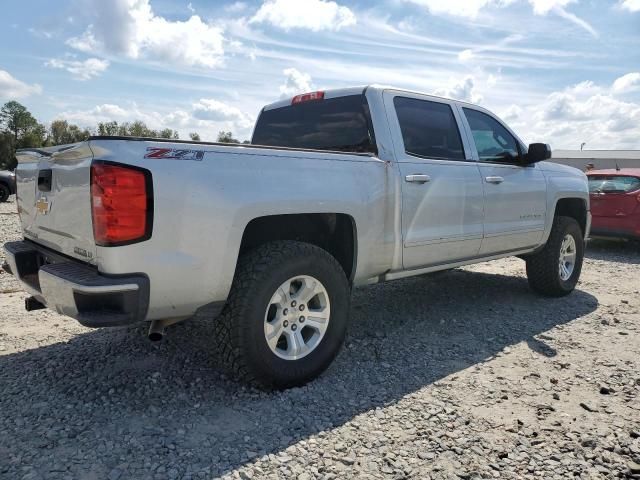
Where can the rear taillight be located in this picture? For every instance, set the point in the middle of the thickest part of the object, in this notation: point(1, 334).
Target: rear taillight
point(307, 97)
point(121, 204)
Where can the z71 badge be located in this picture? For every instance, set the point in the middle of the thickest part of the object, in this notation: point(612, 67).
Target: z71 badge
point(174, 153)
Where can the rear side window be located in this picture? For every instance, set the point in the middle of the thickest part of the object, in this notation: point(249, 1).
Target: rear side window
point(613, 184)
point(340, 124)
point(429, 129)
point(493, 142)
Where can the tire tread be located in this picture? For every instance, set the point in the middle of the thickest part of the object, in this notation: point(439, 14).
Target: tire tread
point(542, 267)
point(252, 268)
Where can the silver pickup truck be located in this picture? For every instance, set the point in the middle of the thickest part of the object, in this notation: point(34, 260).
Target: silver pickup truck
point(337, 189)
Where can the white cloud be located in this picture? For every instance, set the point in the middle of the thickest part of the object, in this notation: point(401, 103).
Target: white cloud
point(492, 80)
point(105, 113)
point(542, 7)
point(12, 88)
point(582, 112)
point(236, 7)
point(471, 8)
point(512, 113)
point(460, 8)
point(207, 117)
point(314, 15)
point(466, 55)
point(40, 33)
point(209, 109)
point(577, 20)
point(627, 83)
point(464, 91)
point(631, 5)
point(81, 70)
point(131, 28)
point(295, 82)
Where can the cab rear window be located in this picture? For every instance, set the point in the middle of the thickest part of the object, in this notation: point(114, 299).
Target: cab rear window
point(338, 124)
point(613, 184)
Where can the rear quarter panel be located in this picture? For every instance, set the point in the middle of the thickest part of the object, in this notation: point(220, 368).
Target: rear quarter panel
point(201, 208)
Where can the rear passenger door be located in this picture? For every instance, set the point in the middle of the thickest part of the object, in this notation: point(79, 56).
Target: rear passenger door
point(442, 197)
point(515, 198)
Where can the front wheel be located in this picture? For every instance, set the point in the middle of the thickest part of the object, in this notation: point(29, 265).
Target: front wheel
point(555, 270)
point(286, 316)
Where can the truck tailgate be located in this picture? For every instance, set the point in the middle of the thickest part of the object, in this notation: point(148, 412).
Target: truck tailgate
point(54, 198)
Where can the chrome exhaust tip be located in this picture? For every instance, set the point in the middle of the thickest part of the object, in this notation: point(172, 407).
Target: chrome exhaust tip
point(156, 331)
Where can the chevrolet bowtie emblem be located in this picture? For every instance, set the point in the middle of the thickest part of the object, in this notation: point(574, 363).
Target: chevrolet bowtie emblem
point(43, 206)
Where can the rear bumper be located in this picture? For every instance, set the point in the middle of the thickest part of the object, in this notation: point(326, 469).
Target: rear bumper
point(76, 289)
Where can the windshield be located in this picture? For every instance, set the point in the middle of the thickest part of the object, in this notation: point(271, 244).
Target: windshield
point(340, 124)
point(613, 184)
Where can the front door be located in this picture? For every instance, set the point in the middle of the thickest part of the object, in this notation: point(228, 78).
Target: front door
point(442, 196)
point(515, 196)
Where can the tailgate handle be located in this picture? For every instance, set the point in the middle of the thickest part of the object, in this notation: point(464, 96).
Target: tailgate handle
point(44, 180)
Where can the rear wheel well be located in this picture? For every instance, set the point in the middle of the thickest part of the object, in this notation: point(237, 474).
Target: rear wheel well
point(333, 232)
point(575, 208)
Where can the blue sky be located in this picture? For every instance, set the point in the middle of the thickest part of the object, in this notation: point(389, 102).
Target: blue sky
point(558, 71)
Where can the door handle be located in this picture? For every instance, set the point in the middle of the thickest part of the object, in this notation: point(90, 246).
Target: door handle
point(495, 180)
point(418, 178)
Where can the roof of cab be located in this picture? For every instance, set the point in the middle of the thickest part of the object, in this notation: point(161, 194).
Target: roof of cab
point(333, 93)
point(341, 92)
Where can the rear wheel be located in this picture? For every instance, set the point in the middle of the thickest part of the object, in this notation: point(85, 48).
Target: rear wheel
point(4, 192)
point(555, 270)
point(286, 316)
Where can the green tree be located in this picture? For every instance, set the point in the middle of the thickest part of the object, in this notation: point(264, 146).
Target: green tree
point(15, 118)
point(61, 133)
point(226, 137)
point(108, 129)
point(35, 137)
point(7, 151)
point(19, 130)
point(194, 136)
point(136, 128)
point(167, 133)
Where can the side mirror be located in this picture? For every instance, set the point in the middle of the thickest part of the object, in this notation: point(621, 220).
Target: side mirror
point(538, 152)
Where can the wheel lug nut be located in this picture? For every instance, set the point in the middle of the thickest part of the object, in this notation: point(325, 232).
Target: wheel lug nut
point(293, 327)
point(293, 304)
point(301, 307)
point(285, 311)
point(301, 319)
point(285, 324)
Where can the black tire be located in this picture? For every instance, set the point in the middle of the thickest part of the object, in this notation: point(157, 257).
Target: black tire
point(543, 270)
point(4, 193)
point(239, 331)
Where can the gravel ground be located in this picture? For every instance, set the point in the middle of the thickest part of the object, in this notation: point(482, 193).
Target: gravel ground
point(463, 375)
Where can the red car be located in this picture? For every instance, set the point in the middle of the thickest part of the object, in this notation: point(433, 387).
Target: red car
point(615, 202)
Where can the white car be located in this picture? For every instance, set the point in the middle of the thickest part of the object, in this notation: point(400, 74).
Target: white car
point(338, 189)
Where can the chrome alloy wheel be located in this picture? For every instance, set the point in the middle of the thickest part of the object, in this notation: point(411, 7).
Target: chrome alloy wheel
point(567, 261)
point(297, 317)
